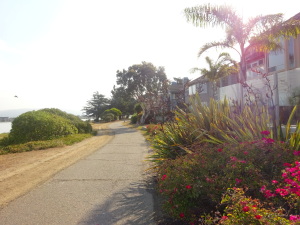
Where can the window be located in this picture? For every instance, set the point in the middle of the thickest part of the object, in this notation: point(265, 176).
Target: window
point(192, 89)
point(225, 81)
point(202, 88)
point(291, 53)
point(255, 66)
point(276, 60)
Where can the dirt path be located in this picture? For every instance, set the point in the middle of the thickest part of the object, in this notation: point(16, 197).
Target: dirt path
point(21, 172)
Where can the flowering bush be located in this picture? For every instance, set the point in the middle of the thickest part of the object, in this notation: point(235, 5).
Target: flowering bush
point(193, 184)
point(245, 210)
point(287, 188)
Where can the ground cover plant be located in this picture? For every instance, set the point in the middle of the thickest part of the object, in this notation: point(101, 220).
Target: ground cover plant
point(39, 145)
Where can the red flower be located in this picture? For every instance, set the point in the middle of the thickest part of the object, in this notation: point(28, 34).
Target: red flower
point(246, 208)
point(224, 217)
point(265, 132)
point(181, 215)
point(220, 149)
point(188, 186)
point(258, 217)
point(163, 177)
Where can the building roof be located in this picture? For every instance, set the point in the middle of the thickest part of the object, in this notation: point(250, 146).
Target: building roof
point(201, 79)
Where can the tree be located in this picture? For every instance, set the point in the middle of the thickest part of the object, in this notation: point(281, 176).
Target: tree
point(261, 32)
point(113, 111)
point(122, 101)
point(222, 67)
point(96, 106)
point(145, 83)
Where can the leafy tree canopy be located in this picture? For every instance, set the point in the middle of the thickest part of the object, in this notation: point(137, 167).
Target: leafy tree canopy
point(96, 106)
point(146, 83)
point(122, 101)
point(113, 111)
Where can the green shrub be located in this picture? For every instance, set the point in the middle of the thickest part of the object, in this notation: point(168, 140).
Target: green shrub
point(40, 125)
point(82, 126)
point(115, 112)
point(133, 118)
point(108, 117)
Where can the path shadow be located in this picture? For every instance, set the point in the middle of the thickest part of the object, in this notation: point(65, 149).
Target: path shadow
point(131, 206)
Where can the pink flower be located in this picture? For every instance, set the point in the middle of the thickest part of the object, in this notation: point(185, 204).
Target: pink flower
point(237, 181)
point(268, 140)
point(233, 158)
point(258, 217)
point(296, 152)
point(269, 194)
point(294, 217)
point(181, 215)
point(284, 175)
point(163, 177)
point(287, 164)
point(282, 192)
point(265, 132)
point(274, 182)
point(220, 150)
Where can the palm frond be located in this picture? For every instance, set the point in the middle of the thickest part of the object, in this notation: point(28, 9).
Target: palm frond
point(194, 70)
point(210, 15)
point(215, 44)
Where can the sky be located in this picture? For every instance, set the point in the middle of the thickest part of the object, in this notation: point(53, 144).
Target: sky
point(56, 54)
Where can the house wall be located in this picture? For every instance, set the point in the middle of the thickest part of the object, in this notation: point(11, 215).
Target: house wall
point(288, 78)
point(231, 92)
point(288, 81)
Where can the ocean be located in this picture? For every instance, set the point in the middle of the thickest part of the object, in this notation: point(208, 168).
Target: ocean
point(5, 127)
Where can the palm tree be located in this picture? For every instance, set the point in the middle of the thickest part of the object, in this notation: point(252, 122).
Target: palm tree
point(261, 32)
point(222, 67)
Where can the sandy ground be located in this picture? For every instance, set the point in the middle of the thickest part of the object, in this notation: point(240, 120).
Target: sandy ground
point(20, 172)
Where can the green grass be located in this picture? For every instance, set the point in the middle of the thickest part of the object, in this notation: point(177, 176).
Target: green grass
point(39, 145)
point(3, 135)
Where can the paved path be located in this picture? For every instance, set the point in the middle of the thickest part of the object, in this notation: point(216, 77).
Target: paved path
point(107, 188)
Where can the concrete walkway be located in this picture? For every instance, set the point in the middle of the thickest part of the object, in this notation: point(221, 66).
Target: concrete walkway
point(108, 187)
